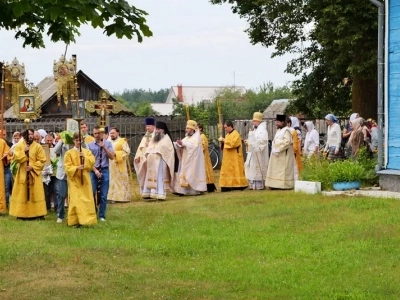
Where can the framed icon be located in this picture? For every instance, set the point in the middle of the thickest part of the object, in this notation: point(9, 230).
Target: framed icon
point(26, 104)
point(72, 125)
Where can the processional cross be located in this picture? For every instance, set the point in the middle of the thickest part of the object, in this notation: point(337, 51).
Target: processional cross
point(103, 107)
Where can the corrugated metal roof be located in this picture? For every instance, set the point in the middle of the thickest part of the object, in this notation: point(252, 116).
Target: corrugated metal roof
point(276, 107)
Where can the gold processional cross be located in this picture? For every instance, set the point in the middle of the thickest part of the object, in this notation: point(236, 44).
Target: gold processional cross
point(103, 107)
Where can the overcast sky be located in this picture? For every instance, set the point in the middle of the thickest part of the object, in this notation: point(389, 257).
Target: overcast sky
point(193, 44)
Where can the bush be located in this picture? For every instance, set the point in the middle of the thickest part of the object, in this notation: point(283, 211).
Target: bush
point(316, 169)
point(369, 163)
point(346, 171)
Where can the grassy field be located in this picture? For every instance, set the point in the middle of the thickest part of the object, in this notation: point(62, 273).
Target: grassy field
point(239, 245)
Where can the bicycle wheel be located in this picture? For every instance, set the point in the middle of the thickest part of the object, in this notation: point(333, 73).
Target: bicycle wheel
point(214, 157)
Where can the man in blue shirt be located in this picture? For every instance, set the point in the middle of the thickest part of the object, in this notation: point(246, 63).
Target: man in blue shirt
point(103, 151)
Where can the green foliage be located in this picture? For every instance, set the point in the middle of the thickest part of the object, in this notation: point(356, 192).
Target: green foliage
point(234, 105)
point(331, 40)
point(362, 168)
point(138, 100)
point(368, 162)
point(316, 169)
point(145, 109)
point(60, 20)
point(346, 171)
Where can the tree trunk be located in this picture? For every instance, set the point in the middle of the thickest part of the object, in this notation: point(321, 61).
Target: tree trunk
point(365, 97)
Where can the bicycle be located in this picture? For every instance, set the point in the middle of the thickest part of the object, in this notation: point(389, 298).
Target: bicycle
point(214, 156)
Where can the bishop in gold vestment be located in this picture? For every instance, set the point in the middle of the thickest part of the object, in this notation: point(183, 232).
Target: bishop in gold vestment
point(21, 205)
point(121, 186)
point(232, 175)
point(81, 209)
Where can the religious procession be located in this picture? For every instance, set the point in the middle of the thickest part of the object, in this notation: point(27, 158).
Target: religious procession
point(77, 171)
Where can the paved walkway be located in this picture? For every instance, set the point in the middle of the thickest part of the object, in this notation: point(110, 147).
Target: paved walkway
point(369, 192)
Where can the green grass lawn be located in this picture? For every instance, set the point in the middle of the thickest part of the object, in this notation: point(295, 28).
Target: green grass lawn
point(239, 245)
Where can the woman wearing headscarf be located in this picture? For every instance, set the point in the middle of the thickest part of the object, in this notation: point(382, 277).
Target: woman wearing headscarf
point(334, 139)
point(311, 143)
point(293, 123)
point(357, 137)
point(346, 134)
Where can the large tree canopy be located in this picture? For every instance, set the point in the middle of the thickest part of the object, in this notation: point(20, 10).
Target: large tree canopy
point(331, 40)
point(60, 20)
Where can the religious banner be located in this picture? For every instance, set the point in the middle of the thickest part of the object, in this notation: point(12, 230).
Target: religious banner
point(64, 72)
point(14, 77)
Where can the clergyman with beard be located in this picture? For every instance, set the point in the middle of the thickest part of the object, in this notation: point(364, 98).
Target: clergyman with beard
point(191, 176)
point(28, 179)
point(280, 172)
point(157, 167)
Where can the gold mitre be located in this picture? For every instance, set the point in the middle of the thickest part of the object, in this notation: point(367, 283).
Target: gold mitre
point(257, 116)
point(191, 124)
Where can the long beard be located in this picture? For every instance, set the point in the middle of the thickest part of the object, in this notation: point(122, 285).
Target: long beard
point(158, 136)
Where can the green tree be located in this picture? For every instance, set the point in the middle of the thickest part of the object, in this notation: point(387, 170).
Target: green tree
point(332, 40)
point(135, 98)
point(60, 20)
point(145, 109)
point(234, 105)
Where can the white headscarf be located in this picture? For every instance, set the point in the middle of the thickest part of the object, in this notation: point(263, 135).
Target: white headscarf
point(295, 122)
point(43, 134)
point(309, 125)
point(353, 117)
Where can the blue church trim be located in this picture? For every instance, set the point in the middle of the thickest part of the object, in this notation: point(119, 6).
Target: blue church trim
point(393, 88)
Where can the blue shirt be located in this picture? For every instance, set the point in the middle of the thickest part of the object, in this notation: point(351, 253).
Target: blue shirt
point(95, 149)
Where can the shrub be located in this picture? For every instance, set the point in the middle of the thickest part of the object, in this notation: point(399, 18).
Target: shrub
point(345, 171)
point(316, 169)
point(369, 163)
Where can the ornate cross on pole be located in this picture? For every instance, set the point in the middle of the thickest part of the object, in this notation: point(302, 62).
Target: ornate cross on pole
point(103, 107)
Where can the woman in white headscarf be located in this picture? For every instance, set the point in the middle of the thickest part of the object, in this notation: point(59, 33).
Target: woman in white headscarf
point(43, 134)
point(346, 134)
point(311, 143)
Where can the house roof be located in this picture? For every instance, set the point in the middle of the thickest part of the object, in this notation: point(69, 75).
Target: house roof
point(276, 107)
point(197, 94)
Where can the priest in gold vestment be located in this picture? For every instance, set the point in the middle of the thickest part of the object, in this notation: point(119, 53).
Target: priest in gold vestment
point(191, 176)
point(210, 178)
point(28, 179)
point(81, 208)
point(121, 185)
point(4, 151)
point(232, 175)
point(280, 173)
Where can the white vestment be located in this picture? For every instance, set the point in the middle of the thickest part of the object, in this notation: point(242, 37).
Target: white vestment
point(191, 176)
point(257, 157)
point(156, 169)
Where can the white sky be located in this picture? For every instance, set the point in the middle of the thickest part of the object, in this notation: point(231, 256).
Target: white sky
point(193, 44)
